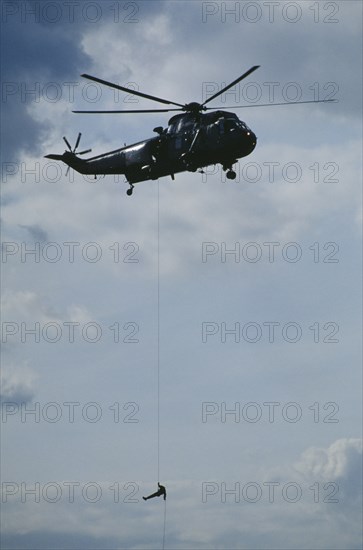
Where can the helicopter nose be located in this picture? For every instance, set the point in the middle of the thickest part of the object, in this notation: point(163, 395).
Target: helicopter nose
point(251, 139)
point(251, 136)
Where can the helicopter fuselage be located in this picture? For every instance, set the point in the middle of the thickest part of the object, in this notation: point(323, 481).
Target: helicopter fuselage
point(193, 139)
point(190, 142)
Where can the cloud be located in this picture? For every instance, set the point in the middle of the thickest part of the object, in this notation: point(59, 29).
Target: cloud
point(27, 305)
point(17, 383)
point(337, 461)
point(36, 53)
point(35, 232)
point(341, 462)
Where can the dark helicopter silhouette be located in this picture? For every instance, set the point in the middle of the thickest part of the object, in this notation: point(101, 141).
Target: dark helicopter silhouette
point(192, 140)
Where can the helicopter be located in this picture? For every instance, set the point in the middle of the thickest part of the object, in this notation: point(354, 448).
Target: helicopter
point(192, 140)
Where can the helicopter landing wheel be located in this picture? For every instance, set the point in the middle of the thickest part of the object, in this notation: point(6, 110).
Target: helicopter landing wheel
point(130, 191)
point(231, 175)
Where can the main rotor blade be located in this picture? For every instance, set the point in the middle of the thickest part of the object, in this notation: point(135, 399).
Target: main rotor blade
point(133, 92)
point(271, 104)
point(132, 111)
point(251, 70)
point(67, 143)
point(78, 140)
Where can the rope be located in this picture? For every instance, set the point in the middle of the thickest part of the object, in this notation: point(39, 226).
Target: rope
point(158, 356)
point(158, 335)
point(164, 524)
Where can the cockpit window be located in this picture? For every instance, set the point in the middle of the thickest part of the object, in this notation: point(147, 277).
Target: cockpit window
point(229, 125)
point(243, 126)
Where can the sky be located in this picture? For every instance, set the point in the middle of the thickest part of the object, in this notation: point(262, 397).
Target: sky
point(204, 333)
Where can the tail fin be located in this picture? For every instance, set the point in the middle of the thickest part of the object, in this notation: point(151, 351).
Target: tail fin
point(70, 155)
point(54, 157)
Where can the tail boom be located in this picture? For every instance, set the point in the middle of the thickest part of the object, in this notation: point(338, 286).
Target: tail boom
point(107, 164)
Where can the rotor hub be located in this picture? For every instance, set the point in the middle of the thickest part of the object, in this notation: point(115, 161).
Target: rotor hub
point(194, 107)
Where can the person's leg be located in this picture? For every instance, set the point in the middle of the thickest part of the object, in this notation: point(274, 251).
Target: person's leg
point(152, 496)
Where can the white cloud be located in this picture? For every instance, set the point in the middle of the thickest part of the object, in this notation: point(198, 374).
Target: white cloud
point(17, 383)
point(22, 304)
point(26, 305)
point(332, 463)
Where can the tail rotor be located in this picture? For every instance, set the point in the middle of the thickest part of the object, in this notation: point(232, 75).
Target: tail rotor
point(74, 150)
